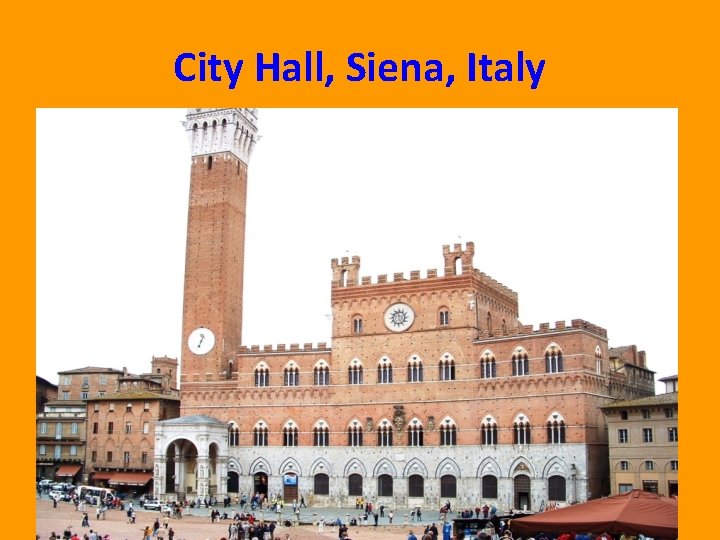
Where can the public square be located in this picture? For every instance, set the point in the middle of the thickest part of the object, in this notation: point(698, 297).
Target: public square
point(196, 525)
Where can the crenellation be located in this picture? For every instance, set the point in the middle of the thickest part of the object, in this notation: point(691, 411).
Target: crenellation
point(432, 273)
point(366, 280)
point(414, 274)
point(398, 276)
point(307, 346)
point(294, 346)
point(544, 327)
point(267, 348)
point(382, 278)
point(559, 325)
point(280, 347)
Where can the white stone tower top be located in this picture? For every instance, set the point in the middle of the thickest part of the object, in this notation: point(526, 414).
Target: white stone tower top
point(222, 130)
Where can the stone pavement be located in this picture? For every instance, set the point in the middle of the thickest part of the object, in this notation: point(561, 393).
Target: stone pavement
point(197, 525)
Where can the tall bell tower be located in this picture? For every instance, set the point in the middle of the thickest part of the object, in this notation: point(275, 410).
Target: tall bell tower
point(221, 142)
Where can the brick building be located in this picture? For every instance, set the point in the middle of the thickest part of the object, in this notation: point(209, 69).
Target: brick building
point(121, 427)
point(431, 390)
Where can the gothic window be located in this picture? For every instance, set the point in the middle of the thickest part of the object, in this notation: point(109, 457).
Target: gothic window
point(521, 430)
point(555, 429)
point(488, 432)
point(357, 324)
point(321, 434)
point(487, 365)
point(444, 317)
point(291, 375)
point(290, 434)
point(447, 368)
point(384, 371)
point(260, 434)
point(385, 433)
point(448, 486)
point(416, 486)
point(598, 360)
point(556, 488)
point(262, 375)
point(489, 487)
point(233, 435)
point(448, 433)
point(553, 359)
point(355, 485)
point(321, 484)
point(385, 485)
point(355, 372)
point(355, 434)
point(415, 369)
point(520, 364)
point(321, 374)
point(415, 433)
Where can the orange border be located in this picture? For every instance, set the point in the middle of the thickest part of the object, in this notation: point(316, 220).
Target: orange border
point(618, 55)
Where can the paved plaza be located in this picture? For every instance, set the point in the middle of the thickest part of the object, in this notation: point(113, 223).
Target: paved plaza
point(196, 525)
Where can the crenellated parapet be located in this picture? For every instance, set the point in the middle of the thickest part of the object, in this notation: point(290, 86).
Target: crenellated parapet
point(544, 328)
point(346, 271)
point(494, 284)
point(310, 348)
point(465, 256)
point(211, 131)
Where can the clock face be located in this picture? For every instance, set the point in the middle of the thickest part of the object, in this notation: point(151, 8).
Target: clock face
point(399, 317)
point(201, 341)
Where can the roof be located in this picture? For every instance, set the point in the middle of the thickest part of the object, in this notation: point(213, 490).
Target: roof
point(91, 369)
point(668, 378)
point(129, 396)
point(670, 398)
point(192, 419)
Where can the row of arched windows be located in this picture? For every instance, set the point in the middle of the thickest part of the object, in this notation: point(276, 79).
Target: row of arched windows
point(557, 486)
point(356, 434)
point(414, 370)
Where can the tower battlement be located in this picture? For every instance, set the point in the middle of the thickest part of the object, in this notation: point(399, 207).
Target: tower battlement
point(283, 348)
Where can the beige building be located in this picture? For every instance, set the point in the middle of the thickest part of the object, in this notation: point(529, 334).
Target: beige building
point(643, 444)
point(60, 428)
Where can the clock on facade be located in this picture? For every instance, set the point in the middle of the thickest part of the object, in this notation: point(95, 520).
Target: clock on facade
point(399, 317)
point(201, 341)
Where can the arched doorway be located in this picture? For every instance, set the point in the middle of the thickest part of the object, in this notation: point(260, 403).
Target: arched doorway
point(181, 469)
point(260, 483)
point(521, 485)
point(233, 482)
point(290, 487)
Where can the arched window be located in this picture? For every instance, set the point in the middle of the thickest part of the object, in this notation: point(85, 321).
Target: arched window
point(624, 465)
point(448, 432)
point(385, 485)
point(385, 433)
point(290, 434)
point(355, 372)
point(487, 365)
point(553, 359)
point(520, 364)
point(415, 369)
point(415, 433)
point(321, 434)
point(489, 487)
point(444, 316)
point(233, 435)
point(521, 430)
point(555, 428)
point(488, 432)
point(355, 434)
point(448, 486)
point(321, 374)
point(556, 488)
point(291, 375)
point(321, 484)
point(598, 360)
point(357, 324)
point(447, 367)
point(649, 465)
point(260, 434)
point(355, 485)
point(262, 375)
point(416, 486)
point(384, 371)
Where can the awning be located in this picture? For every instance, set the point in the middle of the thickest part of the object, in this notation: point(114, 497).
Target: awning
point(67, 470)
point(103, 475)
point(131, 478)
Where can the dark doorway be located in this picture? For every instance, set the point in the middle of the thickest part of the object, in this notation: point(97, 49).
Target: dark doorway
point(260, 483)
point(522, 492)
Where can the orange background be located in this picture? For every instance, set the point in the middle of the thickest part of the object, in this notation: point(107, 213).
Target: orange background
point(617, 55)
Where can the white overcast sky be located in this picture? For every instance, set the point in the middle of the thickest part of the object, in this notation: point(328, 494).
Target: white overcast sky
point(575, 209)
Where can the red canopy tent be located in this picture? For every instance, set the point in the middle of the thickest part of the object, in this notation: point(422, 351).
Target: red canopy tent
point(635, 512)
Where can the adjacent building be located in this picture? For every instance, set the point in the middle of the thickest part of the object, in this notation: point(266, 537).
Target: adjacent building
point(432, 388)
point(643, 443)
